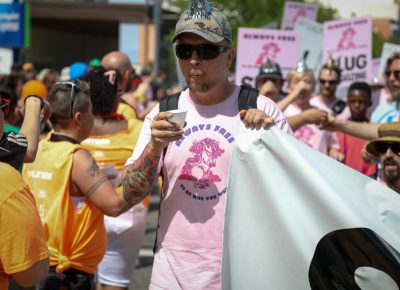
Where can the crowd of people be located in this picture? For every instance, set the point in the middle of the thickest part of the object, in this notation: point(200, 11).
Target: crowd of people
point(81, 152)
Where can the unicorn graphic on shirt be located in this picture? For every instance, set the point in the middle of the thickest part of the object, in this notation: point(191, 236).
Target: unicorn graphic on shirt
point(199, 167)
point(305, 134)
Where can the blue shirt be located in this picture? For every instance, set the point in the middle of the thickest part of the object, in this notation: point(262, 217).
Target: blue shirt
point(386, 113)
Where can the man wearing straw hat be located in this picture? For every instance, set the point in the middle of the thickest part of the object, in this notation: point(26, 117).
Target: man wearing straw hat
point(196, 163)
point(387, 149)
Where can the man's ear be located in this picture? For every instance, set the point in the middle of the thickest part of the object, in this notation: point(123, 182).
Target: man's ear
point(126, 75)
point(231, 56)
point(78, 118)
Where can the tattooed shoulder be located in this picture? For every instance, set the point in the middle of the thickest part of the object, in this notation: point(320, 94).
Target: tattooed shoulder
point(93, 169)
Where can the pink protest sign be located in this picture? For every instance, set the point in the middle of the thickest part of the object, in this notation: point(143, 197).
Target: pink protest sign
point(255, 46)
point(293, 10)
point(349, 43)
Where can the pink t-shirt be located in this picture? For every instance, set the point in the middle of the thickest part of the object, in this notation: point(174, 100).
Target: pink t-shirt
point(312, 135)
point(319, 104)
point(196, 170)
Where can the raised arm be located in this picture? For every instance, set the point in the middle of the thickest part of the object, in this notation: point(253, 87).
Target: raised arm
point(286, 101)
point(30, 128)
point(139, 177)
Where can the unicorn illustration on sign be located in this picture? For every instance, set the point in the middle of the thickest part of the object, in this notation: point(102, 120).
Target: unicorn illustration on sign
point(347, 39)
point(199, 167)
point(300, 13)
point(269, 51)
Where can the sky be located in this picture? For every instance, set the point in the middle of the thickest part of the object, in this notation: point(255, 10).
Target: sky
point(376, 8)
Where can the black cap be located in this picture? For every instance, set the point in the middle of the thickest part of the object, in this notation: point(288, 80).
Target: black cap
point(270, 70)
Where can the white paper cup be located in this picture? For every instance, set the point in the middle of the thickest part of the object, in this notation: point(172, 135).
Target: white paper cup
point(178, 117)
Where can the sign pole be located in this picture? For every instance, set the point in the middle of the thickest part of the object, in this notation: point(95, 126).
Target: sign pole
point(16, 51)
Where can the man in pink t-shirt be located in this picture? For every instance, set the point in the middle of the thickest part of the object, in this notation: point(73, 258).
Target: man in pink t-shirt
point(329, 79)
point(196, 165)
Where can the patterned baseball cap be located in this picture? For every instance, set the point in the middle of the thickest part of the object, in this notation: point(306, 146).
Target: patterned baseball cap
point(213, 27)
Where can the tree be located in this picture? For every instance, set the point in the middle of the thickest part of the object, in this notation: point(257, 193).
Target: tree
point(377, 44)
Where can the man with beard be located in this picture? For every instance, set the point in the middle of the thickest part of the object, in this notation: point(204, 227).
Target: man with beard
point(388, 111)
point(387, 149)
point(188, 251)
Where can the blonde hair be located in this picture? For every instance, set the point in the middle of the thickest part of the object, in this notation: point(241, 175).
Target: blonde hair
point(292, 74)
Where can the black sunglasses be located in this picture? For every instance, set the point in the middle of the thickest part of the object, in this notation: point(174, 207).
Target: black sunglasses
point(203, 51)
point(381, 148)
point(5, 105)
point(332, 82)
point(74, 89)
point(396, 73)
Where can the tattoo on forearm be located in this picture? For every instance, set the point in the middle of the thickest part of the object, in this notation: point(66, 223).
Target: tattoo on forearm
point(139, 178)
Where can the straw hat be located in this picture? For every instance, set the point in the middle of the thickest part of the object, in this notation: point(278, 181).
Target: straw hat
point(388, 133)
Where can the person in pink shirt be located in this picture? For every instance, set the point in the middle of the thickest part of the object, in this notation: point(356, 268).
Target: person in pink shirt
point(358, 100)
point(195, 166)
point(329, 80)
point(310, 134)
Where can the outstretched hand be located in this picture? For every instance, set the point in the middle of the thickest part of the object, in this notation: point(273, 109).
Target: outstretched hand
point(315, 116)
point(255, 119)
point(329, 124)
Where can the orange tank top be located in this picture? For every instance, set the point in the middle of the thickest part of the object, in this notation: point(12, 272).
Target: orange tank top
point(18, 250)
point(75, 234)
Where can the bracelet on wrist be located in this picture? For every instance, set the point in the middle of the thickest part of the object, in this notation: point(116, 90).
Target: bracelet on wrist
point(38, 97)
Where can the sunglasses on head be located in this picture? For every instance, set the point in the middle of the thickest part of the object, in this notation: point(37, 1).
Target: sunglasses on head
point(203, 51)
point(331, 82)
point(396, 73)
point(5, 105)
point(382, 148)
point(74, 89)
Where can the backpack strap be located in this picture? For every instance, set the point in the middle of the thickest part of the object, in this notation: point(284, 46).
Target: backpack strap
point(169, 102)
point(247, 98)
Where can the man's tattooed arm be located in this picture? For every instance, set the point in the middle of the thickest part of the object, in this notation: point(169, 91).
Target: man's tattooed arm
point(139, 177)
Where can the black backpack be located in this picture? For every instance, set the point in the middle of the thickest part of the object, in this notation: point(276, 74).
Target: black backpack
point(247, 99)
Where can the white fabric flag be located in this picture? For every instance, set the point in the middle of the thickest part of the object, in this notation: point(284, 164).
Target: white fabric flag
point(297, 219)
